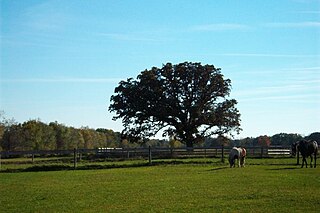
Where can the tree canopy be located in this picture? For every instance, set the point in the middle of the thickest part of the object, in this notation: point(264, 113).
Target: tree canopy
point(187, 101)
point(36, 135)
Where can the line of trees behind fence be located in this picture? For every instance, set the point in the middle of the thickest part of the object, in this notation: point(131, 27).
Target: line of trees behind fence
point(37, 135)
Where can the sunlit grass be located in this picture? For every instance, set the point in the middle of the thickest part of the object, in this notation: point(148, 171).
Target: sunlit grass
point(183, 185)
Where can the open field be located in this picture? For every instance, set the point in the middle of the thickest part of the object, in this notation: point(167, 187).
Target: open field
point(188, 185)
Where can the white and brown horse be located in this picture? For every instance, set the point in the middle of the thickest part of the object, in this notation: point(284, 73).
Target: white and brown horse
point(237, 153)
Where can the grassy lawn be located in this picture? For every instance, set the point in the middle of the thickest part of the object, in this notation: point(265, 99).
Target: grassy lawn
point(191, 185)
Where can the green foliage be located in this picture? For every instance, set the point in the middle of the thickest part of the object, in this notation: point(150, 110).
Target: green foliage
point(187, 101)
point(13, 138)
point(112, 138)
point(36, 135)
point(173, 143)
point(265, 185)
point(285, 139)
point(62, 134)
point(2, 126)
point(5, 124)
point(314, 136)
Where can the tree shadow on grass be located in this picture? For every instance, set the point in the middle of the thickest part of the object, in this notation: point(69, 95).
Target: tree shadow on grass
point(47, 168)
point(43, 168)
point(271, 164)
point(218, 168)
point(283, 168)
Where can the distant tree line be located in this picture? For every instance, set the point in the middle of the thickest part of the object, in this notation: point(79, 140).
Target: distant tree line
point(37, 135)
point(281, 139)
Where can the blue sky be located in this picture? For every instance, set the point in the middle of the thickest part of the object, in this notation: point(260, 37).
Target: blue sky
point(61, 60)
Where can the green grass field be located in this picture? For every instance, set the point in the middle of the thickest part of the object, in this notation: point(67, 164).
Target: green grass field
point(190, 185)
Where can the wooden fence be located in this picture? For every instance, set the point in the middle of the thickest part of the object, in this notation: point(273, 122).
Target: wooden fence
point(151, 153)
point(220, 151)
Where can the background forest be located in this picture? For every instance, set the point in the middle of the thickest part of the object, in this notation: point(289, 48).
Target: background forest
point(37, 135)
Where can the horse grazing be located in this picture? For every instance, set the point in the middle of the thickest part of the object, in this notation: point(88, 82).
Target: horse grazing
point(237, 153)
point(306, 148)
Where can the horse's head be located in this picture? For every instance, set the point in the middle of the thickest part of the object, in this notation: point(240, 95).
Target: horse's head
point(294, 148)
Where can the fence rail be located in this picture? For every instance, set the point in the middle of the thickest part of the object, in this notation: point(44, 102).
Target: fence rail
point(220, 151)
point(150, 153)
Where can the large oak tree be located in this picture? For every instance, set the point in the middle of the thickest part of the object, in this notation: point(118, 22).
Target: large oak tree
point(187, 101)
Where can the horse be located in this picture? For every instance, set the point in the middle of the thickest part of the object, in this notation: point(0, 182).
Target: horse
point(306, 148)
point(237, 153)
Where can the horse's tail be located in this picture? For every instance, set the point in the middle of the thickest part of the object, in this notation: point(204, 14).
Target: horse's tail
point(315, 145)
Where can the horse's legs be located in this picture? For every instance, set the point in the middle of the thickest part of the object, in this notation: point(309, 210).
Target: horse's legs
point(242, 161)
point(304, 161)
point(311, 160)
point(231, 162)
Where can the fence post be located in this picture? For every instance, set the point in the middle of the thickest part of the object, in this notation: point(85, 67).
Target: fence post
point(261, 154)
point(105, 153)
point(222, 154)
point(74, 158)
point(150, 157)
point(0, 162)
point(32, 157)
point(80, 156)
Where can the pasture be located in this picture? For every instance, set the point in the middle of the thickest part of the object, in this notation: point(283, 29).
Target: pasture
point(183, 185)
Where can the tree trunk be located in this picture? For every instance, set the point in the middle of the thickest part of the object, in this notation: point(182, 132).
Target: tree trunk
point(189, 146)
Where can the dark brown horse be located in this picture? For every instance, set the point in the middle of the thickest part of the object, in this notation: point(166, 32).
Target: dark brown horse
point(306, 148)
